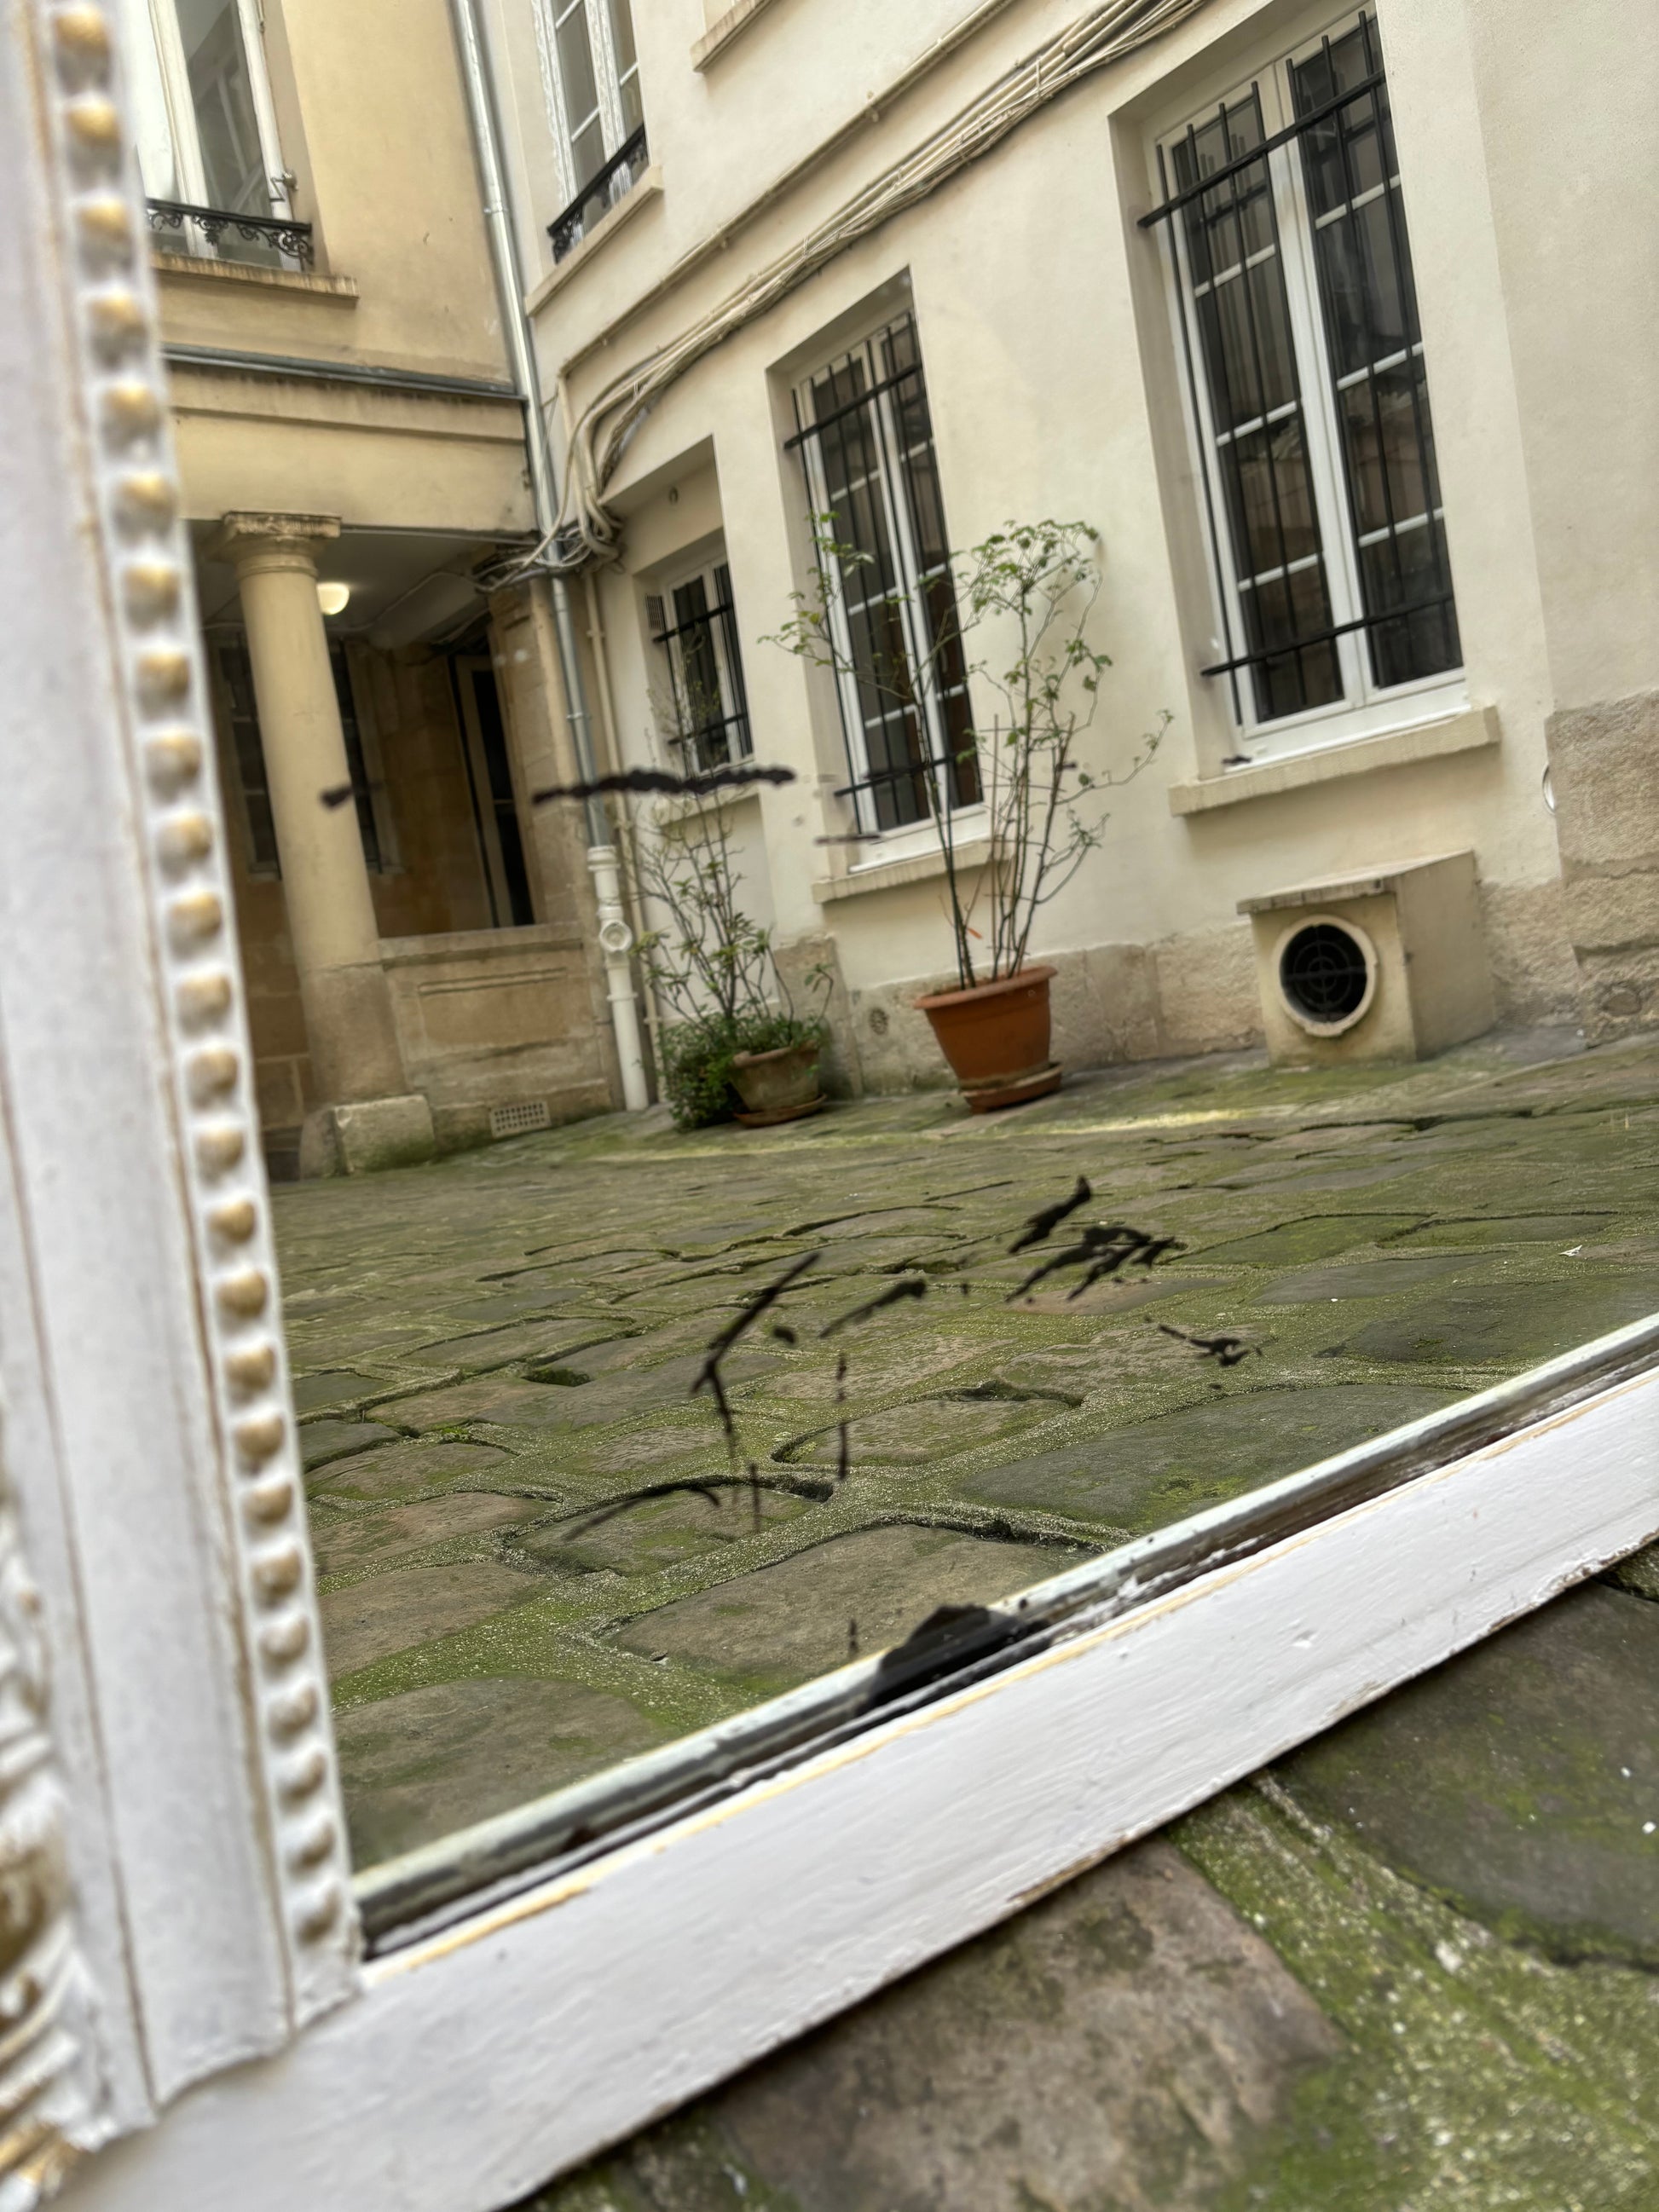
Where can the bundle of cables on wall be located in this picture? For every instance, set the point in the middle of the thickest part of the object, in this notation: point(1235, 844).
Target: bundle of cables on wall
point(586, 530)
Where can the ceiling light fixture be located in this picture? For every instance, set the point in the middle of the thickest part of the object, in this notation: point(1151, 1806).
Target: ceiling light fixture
point(332, 597)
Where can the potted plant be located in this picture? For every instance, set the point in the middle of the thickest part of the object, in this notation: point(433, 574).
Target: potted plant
point(1028, 592)
point(776, 1073)
point(738, 1047)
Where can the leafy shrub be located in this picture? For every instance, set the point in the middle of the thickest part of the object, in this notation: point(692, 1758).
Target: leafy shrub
point(697, 1056)
point(696, 1071)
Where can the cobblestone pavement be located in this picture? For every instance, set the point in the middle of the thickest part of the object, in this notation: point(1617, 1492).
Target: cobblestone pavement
point(492, 1351)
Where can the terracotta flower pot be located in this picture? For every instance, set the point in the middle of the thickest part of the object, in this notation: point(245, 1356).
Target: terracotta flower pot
point(777, 1086)
point(995, 1036)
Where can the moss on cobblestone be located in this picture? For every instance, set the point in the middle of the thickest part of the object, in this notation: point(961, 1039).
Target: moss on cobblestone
point(1478, 2076)
point(1360, 1228)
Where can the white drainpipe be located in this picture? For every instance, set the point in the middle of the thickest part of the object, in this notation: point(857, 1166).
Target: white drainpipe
point(616, 938)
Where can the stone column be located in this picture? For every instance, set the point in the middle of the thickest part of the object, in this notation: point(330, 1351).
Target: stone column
point(368, 1118)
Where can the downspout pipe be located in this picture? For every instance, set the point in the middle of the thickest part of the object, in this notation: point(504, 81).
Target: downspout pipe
point(616, 938)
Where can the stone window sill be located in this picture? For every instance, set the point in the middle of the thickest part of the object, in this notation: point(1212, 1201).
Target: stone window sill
point(1476, 727)
point(887, 875)
point(725, 27)
point(648, 188)
point(305, 282)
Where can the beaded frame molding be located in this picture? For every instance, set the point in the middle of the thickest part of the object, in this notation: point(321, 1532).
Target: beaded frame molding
point(103, 260)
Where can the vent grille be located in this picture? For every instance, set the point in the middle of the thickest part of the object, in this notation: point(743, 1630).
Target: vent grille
point(513, 1120)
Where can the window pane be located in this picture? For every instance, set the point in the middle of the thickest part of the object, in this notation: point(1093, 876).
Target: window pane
point(247, 750)
point(227, 126)
point(1369, 311)
point(153, 128)
point(622, 36)
point(492, 737)
point(1240, 302)
point(367, 828)
point(580, 93)
point(899, 602)
point(703, 710)
point(1276, 614)
point(628, 76)
point(1269, 498)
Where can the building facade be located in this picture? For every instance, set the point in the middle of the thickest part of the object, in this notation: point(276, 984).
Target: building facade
point(419, 938)
point(1337, 324)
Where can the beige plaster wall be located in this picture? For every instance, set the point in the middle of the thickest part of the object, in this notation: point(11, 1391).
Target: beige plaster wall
point(372, 118)
point(1054, 385)
point(372, 122)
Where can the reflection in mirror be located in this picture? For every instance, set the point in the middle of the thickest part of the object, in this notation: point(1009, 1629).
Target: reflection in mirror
point(665, 1339)
point(541, 1554)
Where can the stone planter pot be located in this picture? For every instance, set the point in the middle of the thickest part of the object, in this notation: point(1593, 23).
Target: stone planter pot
point(995, 1036)
point(777, 1086)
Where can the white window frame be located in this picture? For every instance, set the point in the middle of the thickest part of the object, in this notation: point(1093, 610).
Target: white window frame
point(170, 1688)
point(171, 81)
point(608, 80)
point(1366, 709)
point(968, 820)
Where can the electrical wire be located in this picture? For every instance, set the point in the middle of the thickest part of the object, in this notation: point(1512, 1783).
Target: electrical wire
point(586, 530)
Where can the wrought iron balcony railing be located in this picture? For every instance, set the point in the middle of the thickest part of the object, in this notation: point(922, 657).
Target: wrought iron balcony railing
point(279, 233)
point(600, 193)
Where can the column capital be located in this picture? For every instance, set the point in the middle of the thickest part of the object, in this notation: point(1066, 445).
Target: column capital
point(252, 541)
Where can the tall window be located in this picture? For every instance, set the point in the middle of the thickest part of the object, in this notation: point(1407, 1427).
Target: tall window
point(1309, 394)
point(207, 134)
point(591, 80)
point(240, 716)
point(241, 723)
point(695, 627)
point(867, 441)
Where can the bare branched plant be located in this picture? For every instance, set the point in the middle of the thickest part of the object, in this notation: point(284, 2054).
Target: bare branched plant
point(1025, 597)
point(711, 962)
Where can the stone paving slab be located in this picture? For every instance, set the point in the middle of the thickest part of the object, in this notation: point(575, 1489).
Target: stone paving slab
point(519, 1327)
point(1410, 1969)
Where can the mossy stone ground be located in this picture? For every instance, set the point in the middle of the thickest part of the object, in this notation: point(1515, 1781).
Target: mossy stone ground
point(1389, 1238)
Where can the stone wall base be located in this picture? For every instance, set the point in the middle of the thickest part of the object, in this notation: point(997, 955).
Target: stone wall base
point(1169, 1000)
point(1607, 820)
point(369, 1134)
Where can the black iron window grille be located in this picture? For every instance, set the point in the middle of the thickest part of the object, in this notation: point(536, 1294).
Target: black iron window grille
point(866, 437)
point(708, 720)
point(599, 194)
point(277, 234)
point(1306, 374)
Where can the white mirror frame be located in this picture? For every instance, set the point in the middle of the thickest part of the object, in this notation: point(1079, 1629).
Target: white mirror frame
point(183, 1971)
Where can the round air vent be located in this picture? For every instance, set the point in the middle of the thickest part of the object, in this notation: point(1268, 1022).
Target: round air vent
point(1326, 975)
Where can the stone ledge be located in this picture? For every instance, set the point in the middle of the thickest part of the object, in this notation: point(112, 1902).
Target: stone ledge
point(366, 1136)
point(727, 26)
point(307, 284)
point(648, 188)
point(887, 875)
point(1469, 731)
point(1366, 883)
point(477, 944)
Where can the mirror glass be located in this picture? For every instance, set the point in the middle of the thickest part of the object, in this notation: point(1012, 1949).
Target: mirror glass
point(539, 1552)
point(826, 1056)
